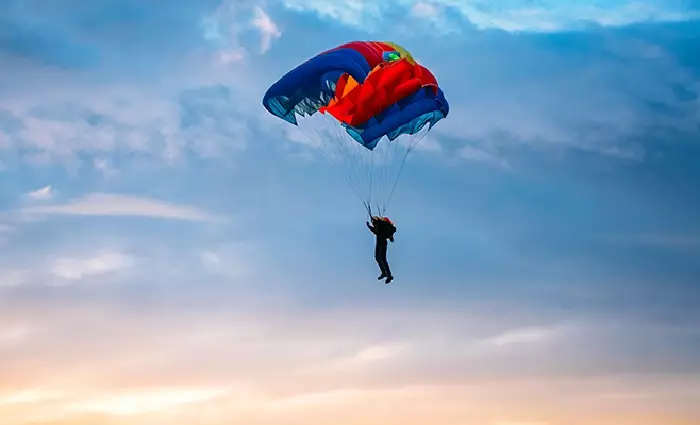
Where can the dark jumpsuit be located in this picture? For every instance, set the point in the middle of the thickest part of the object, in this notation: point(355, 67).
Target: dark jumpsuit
point(383, 231)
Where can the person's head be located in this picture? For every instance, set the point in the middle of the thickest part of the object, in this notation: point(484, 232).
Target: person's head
point(375, 219)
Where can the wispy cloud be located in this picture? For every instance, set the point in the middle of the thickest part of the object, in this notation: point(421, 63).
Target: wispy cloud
point(613, 104)
point(544, 16)
point(50, 115)
point(42, 194)
point(268, 28)
point(72, 128)
point(105, 204)
point(28, 396)
point(226, 26)
point(137, 368)
point(233, 260)
point(73, 268)
point(145, 401)
point(425, 9)
point(471, 153)
point(523, 336)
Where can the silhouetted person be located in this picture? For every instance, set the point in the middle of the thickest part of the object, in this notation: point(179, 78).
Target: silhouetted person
point(384, 229)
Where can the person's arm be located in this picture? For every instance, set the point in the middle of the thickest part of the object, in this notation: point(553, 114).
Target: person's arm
point(371, 228)
point(391, 238)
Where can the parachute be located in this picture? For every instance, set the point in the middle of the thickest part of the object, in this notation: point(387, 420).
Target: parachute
point(366, 104)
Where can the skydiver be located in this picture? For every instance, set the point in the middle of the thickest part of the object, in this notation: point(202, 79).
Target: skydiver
point(384, 229)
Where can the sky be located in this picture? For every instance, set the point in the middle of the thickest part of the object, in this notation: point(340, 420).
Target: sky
point(172, 253)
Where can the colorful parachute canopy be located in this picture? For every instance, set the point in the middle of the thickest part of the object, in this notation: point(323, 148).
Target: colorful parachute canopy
point(374, 89)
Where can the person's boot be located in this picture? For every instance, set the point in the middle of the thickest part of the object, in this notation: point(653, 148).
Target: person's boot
point(382, 276)
point(389, 279)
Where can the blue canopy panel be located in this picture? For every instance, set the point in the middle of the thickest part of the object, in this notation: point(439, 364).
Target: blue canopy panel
point(312, 84)
point(407, 116)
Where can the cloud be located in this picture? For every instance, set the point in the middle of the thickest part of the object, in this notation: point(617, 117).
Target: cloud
point(180, 355)
point(61, 128)
point(425, 10)
point(232, 260)
point(522, 336)
point(277, 348)
point(131, 122)
point(544, 16)
point(98, 264)
point(608, 92)
point(227, 25)
point(74, 129)
point(602, 94)
point(471, 153)
point(28, 396)
point(350, 12)
point(160, 38)
point(137, 402)
point(551, 15)
point(480, 403)
point(115, 205)
point(368, 357)
point(212, 122)
point(428, 144)
point(11, 278)
point(268, 29)
point(41, 194)
point(145, 111)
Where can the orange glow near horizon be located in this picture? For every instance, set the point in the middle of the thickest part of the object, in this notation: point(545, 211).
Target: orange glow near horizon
point(103, 363)
point(410, 406)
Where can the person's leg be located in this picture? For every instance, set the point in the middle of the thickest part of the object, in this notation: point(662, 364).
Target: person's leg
point(380, 256)
point(383, 263)
point(387, 270)
point(386, 267)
